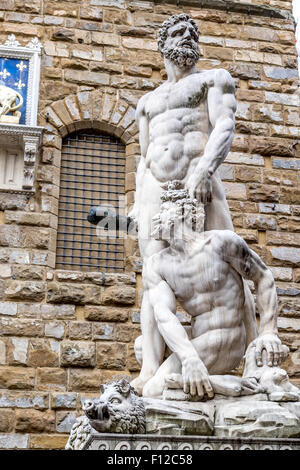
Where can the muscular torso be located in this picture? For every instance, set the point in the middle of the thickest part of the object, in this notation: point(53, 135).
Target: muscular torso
point(179, 126)
point(206, 286)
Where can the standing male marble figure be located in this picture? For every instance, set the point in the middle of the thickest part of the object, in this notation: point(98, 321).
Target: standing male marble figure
point(186, 129)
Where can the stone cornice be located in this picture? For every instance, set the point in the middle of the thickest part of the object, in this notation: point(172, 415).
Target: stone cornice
point(232, 6)
point(20, 129)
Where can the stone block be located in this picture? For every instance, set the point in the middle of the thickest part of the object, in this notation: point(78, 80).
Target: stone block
point(6, 420)
point(54, 330)
point(5, 271)
point(105, 39)
point(63, 34)
point(263, 193)
point(282, 98)
point(245, 174)
point(268, 113)
point(21, 327)
point(245, 159)
point(25, 290)
point(64, 400)
point(75, 276)
point(18, 256)
point(111, 355)
point(92, 295)
point(35, 421)
point(270, 208)
point(65, 421)
point(91, 13)
point(60, 312)
point(104, 331)
point(14, 441)
point(43, 353)
point(244, 71)
point(2, 352)
point(179, 417)
point(65, 293)
point(87, 78)
point(72, 107)
point(23, 399)
point(282, 274)
point(80, 330)
point(285, 164)
point(53, 20)
point(8, 308)
point(286, 254)
point(235, 191)
point(28, 272)
point(250, 236)
point(17, 351)
point(17, 378)
point(283, 238)
point(272, 146)
point(122, 295)
point(86, 380)
point(291, 325)
point(261, 418)
point(62, 112)
point(51, 379)
point(131, 362)
point(110, 279)
point(78, 354)
point(105, 314)
point(260, 222)
point(126, 333)
point(48, 441)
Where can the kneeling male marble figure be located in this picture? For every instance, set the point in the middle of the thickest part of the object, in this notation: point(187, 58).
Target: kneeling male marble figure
point(204, 272)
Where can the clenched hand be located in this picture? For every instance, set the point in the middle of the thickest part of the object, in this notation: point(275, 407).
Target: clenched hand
point(200, 186)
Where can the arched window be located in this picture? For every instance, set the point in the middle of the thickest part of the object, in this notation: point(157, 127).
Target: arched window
point(92, 174)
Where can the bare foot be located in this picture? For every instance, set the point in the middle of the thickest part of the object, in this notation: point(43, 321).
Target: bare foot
point(138, 383)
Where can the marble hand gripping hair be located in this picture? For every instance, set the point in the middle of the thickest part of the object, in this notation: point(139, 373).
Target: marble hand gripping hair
point(204, 272)
point(186, 127)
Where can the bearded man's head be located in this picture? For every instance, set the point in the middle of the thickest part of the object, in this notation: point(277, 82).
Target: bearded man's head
point(178, 40)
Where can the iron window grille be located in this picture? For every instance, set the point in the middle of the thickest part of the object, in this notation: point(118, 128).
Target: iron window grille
point(92, 174)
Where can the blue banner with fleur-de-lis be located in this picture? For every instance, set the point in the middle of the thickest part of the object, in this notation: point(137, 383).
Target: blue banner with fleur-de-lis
point(14, 74)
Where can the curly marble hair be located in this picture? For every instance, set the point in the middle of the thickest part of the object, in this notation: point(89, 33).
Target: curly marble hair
point(174, 19)
point(174, 194)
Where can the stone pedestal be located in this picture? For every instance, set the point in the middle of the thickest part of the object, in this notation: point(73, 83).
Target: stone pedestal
point(224, 417)
point(153, 442)
point(219, 424)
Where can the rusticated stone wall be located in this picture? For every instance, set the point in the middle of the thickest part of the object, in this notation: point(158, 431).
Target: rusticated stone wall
point(63, 332)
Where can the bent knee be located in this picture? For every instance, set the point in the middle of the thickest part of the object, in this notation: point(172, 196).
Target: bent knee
point(152, 389)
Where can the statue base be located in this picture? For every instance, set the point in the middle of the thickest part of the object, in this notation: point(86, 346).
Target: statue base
point(116, 442)
point(250, 422)
point(10, 119)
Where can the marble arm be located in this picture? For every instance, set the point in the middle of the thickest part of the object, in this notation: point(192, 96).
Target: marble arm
point(221, 109)
point(134, 212)
point(194, 373)
point(143, 125)
point(163, 302)
point(248, 264)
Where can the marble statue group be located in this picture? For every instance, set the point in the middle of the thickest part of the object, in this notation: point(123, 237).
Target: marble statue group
point(191, 254)
point(193, 257)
